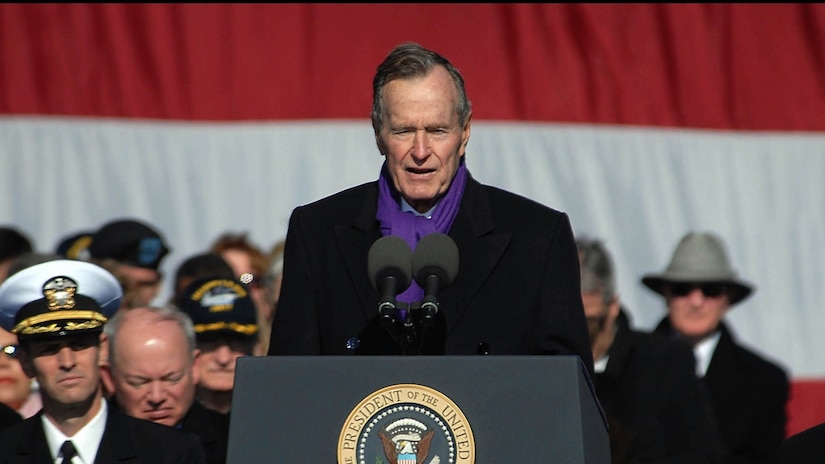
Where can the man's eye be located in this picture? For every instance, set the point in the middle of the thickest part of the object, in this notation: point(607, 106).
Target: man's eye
point(80, 345)
point(48, 351)
point(136, 382)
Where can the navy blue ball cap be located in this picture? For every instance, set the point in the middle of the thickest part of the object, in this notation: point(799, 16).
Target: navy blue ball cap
point(57, 298)
point(75, 246)
point(220, 306)
point(129, 241)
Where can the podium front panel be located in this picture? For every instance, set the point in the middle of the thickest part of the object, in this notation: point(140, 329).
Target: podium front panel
point(293, 409)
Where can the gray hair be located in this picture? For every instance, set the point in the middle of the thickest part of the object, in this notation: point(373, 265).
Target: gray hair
point(597, 273)
point(406, 61)
point(164, 313)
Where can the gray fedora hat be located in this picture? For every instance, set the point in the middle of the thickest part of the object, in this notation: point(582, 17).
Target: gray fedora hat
point(700, 257)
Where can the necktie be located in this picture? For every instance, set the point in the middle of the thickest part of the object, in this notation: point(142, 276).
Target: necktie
point(68, 451)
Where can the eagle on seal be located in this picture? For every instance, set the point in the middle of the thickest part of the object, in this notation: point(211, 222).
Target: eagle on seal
point(392, 449)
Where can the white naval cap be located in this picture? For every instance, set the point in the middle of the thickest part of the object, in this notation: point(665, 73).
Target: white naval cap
point(57, 298)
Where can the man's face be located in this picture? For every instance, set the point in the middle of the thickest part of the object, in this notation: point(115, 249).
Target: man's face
point(422, 137)
point(217, 361)
point(600, 315)
point(67, 367)
point(152, 369)
point(596, 312)
point(143, 284)
point(695, 309)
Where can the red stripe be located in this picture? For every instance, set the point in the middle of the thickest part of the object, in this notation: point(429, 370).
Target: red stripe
point(697, 65)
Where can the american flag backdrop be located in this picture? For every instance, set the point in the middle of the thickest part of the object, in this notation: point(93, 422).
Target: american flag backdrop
point(641, 121)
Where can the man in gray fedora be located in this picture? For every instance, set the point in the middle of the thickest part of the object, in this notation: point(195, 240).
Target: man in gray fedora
point(748, 392)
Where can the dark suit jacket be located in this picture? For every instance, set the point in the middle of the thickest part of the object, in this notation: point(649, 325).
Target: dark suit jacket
point(125, 440)
point(656, 408)
point(748, 395)
point(516, 292)
point(213, 429)
point(805, 447)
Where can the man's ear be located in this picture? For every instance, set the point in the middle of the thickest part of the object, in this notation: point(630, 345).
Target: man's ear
point(196, 361)
point(465, 134)
point(103, 354)
point(381, 147)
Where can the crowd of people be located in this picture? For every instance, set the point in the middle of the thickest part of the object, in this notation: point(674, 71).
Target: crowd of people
point(171, 362)
point(100, 371)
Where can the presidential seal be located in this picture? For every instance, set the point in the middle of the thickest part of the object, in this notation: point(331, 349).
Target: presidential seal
point(406, 424)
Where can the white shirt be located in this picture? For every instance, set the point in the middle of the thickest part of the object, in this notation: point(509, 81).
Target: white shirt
point(601, 364)
point(703, 352)
point(86, 440)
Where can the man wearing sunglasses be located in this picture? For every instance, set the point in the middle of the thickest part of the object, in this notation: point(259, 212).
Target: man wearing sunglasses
point(748, 392)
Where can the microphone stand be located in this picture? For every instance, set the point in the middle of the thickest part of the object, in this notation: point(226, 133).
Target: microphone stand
point(409, 333)
point(401, 328)
point(412, 331)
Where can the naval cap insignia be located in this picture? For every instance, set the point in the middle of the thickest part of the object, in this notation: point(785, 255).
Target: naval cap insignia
point(59, 292)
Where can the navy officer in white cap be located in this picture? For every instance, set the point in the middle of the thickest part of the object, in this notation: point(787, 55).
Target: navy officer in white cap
point(57, 309)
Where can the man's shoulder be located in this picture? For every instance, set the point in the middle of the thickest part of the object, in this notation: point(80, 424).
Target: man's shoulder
point(8, 416)
point(18, 431)
point(500, 197)
point(199, 416)
point(24, 441)
point(659, 351)
point(127, 437)
point(341, 206)
point(144, 429)
point(347, 195)
point(512, 211)
point(748, 359)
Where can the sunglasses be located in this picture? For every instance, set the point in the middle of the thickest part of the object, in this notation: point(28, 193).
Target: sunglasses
point(709, 290)
point(10, 350)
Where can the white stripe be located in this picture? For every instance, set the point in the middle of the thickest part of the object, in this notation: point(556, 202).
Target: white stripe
point(640, 189)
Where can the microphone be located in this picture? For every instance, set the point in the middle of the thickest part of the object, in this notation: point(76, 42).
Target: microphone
point(389, 264)
point(435, 264)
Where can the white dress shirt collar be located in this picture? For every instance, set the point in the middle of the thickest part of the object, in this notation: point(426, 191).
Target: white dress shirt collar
point(86, 440)
point(703, 352)
point(601, 364)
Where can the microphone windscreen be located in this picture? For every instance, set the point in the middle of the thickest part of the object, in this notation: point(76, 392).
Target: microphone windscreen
point(390, 255)
point(437, 254)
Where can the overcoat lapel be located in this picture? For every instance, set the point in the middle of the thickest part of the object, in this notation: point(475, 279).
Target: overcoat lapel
point(354, 242)
point(479, 250)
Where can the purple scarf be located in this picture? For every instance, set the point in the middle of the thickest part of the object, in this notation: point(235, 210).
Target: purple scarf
point(412, 227)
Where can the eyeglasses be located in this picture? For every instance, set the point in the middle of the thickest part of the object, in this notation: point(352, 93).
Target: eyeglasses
point(709, 290)
point(10, 350)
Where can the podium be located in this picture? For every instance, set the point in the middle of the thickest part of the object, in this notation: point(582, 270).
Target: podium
point(415, 409)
